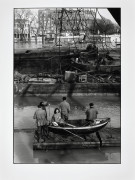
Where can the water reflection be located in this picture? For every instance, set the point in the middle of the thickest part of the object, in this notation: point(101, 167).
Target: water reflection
point(71, 156)
point(34, 45)
point(28, 45)
point(78, 156)
point(23, 153)
point(23, 148)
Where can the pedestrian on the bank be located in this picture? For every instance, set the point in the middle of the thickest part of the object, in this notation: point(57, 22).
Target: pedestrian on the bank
point(41, 120)
point(64, 109)
point(91, 114)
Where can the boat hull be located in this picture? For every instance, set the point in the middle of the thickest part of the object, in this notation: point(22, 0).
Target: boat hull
point(80, 130)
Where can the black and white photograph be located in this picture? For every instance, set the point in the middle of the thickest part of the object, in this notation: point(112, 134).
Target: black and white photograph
point(67, 90)
point(67, 85)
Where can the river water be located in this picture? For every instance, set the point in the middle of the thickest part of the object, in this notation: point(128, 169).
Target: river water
point(24, 108)
point(33, 45)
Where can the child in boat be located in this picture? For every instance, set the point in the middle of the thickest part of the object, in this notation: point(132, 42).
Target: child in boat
point(57, 118)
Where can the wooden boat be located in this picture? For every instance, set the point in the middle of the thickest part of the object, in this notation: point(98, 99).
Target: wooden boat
point(43, 80)
point(99, 124)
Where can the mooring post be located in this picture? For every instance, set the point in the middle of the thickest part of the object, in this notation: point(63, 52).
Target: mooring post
point(99, 137)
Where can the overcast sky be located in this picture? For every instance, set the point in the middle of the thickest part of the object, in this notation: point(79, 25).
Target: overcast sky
point(106, 14)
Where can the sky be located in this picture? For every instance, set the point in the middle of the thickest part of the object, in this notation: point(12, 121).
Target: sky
point(106, 14)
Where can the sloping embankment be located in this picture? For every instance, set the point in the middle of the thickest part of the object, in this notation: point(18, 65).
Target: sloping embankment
point(69, 89)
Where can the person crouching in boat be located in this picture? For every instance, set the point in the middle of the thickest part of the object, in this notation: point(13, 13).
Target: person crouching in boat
point(56, 118)
point(42, 123)
point(91, 114)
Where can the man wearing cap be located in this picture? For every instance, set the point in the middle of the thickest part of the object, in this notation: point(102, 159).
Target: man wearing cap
point(91, 114)
point(65, 109)
point(41, 120)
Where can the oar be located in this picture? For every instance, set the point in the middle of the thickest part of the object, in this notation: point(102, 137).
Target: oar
point(73, 134)
point(70, 125)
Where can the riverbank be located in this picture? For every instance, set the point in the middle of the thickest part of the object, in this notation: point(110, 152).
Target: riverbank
point(34, 61)
point(68, 89)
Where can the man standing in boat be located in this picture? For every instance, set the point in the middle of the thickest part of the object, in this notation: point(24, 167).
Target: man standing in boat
point(65, 109)
point(91, 114)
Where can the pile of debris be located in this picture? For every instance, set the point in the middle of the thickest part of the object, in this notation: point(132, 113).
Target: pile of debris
point(40, 77)
point(18, 77)
point(103, 78)
point(70, 77)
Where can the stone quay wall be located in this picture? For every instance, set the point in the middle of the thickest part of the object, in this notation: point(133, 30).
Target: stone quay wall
point(30, 89)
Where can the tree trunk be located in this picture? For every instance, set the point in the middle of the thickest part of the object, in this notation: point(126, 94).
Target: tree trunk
point(29, 34)
point(36, 38)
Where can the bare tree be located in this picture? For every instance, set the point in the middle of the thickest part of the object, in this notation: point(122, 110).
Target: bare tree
point(45, 22)
point(24, 19)
point(34, 25)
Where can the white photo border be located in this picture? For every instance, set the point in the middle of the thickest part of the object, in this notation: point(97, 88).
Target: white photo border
point(125, 170)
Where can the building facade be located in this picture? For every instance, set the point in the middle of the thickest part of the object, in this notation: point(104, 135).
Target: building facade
point(64, 20)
